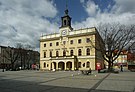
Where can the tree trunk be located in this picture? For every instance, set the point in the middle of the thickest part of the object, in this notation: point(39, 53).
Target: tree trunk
point(110, 66)
point(12, 66)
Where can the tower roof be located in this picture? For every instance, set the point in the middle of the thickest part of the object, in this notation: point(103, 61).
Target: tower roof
point(66, 12)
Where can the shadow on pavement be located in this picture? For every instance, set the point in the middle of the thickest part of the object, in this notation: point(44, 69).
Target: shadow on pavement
point(9, 85)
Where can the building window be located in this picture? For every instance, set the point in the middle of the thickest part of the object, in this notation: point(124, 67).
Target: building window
point(50, 44)
point(44, 54)
point(65, 22)
point(50, 53)
point(71, 52)
point(64, 53)
point(79, 52)
point(44, 65)
point(71, 42)
point(79, 64)
point(83, 64)
point(64, 42)
point(88, 64)
point(57, 43)
point(87, 51)
point(45, 45)
point(87, 40)
point(79, 40)
point(57, 53)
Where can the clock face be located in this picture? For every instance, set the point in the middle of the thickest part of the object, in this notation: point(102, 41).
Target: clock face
point(64, 32)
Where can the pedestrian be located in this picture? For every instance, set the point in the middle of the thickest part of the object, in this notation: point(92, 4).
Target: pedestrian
point(121, 68)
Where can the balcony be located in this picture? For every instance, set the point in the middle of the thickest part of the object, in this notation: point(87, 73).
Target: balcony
point(62, 57)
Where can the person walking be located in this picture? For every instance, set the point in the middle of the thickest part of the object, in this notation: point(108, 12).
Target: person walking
point(121, 68)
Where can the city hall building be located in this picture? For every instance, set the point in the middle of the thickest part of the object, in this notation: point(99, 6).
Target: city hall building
point(70, 49)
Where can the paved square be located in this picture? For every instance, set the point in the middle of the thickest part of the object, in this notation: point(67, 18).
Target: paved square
point(65, 81)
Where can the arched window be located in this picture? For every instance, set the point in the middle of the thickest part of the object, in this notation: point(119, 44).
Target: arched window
point(65, 23)
point(45, 45)
point(50, 53)
point(44, 54)
point(79, 64)
point(71, 52)
point(57, 43)
point(79, 52)
point(79, 41)
point(71, 42)
point(57, 53)
point(88, 64)
point(44, 65)
point(83, 64)
point(50, 44)
point(87, 51)
point(64, 53)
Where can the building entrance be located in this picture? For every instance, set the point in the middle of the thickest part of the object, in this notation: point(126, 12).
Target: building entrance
point(69, 65)
point(61, 66)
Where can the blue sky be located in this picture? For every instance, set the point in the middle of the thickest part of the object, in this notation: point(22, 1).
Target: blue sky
point(76, 8)
point(24, 21)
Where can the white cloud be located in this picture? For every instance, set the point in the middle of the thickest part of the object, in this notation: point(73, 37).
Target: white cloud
point(25, 20)
point(124, 6)
point(90, 7)
point(123, 11)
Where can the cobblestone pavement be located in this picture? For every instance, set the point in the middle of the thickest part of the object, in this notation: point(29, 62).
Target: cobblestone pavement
point(66, 81)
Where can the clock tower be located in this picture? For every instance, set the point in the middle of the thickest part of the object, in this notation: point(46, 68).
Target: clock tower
point(65, 24)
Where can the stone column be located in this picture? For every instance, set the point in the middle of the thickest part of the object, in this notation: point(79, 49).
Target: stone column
point(57, 65)
point(65, 65)
point(50, 65)
point(73, 65)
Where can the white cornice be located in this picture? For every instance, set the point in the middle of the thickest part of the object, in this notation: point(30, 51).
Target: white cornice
point(71, 33)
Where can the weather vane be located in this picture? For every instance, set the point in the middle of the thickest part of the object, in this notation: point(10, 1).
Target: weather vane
point(66, 4)
point(66, 11)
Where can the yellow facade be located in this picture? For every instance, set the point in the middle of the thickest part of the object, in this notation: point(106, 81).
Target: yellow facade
point(70, 49)
point(69, 61)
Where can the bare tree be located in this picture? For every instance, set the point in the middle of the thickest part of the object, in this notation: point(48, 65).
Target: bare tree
point(115, 38)
point(0, 58)
point(26, 55)
point(1, 61)
point(20, 47)
point(12, 55)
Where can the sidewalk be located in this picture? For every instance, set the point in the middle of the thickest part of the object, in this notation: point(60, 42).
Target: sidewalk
point(124, 82)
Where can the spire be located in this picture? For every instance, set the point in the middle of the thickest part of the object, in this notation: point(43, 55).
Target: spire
point(66, 19)
point(66, 5)
point(66, 11)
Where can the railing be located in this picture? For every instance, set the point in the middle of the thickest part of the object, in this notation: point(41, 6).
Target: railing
point(59, 57)
point(80, 31)
point(50, 36)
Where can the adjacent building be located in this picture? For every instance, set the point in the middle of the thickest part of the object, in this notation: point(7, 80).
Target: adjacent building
point(13, 58)
point(3, 61)
point(126, 59)
point(70, 49)
point(122, 60)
